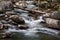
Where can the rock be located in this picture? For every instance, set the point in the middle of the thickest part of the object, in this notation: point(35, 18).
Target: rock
point(53, 23)
point(56, 15)
point(6, 35)
point(21, 4)
point(59, 33)
point(48, 10)
point(23, 27)
point(47, 15)
point(5, 5)
point(2, 16)
point(34, 15)
point(12, 22)
point(9, 13)
point(14, 1)
point(7, 26)
point(17, 19)
point(20, 10)
point(1, 26)
point(4, 22)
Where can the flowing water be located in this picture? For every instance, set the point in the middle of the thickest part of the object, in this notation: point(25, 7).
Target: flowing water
point(36, 30)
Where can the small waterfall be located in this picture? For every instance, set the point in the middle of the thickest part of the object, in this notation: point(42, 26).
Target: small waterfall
point(34, 27)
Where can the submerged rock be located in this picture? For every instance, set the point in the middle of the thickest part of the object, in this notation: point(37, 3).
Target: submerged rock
point(23, 27)
point(17, 19)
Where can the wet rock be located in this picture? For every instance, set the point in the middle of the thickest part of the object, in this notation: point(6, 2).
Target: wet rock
point(17, 19)
point(9, 13)
point(4, 22)
point(23, 27)
point(53, 23)
point(33, 15)
point(42, 22)
point(12, 22)
point(1, 26)
point(7, 26)
point(2, 16)
point(20, 11)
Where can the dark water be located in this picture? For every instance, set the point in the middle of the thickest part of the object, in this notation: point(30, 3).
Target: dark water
point(42, 36)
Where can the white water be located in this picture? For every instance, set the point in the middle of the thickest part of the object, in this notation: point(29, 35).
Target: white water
point(34, 25)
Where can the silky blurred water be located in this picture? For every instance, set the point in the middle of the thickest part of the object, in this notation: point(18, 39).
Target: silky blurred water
point(36, 30)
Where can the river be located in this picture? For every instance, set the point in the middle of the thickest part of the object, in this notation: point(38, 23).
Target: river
point(36, 30)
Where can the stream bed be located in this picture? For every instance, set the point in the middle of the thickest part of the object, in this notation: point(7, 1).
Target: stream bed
point(36, 30)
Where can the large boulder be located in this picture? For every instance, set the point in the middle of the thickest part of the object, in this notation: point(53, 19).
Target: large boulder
point(17, 19)
point(56, 15)
point(53, 23)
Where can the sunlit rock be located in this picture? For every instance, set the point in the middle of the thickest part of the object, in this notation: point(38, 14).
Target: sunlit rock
point(53, 23)
point(20, 4)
